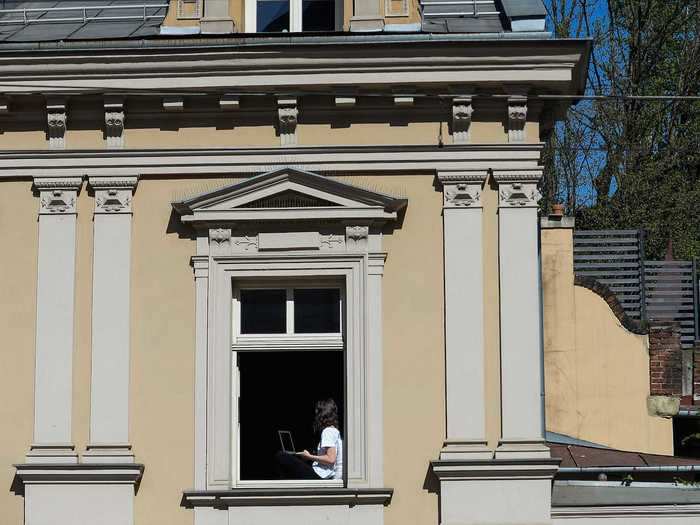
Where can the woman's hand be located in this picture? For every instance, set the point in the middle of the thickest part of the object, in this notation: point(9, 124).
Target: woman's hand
point(304, 454)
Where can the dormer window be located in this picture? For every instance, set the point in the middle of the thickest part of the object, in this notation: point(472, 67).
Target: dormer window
point(280, 16)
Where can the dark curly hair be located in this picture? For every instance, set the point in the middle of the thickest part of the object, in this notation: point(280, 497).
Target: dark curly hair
point(326, 414)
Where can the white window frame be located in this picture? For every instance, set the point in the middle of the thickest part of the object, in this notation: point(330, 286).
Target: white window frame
point(295, 16)
point(286, 342)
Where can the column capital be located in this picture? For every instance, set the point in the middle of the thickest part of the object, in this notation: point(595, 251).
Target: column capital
point(57, 195)
point(462, 189)
point(518, 195)
point(113, 194)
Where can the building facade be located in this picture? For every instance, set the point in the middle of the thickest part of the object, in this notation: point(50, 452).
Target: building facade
point(209, 226)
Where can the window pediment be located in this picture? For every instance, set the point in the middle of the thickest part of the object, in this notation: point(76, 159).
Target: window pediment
point(288, 194)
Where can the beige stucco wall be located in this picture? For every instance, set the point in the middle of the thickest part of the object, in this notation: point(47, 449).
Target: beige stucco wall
point(596, 372)
point(414, 385)
point(18, 238)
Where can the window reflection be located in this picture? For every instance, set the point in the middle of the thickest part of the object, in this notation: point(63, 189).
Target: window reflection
point(272, 16)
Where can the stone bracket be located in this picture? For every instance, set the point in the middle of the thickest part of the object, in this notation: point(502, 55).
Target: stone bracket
point(114, 122)
point(287, 114)
point(57, 122)
point(462, 111)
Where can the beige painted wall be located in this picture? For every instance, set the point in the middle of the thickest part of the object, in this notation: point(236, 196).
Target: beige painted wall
point(414, 384)
point(596, 372)
point(162, 356)
point(18, 238)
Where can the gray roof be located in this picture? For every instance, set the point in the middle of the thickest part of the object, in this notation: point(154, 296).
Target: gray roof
point(47, 23)
point(482, 16)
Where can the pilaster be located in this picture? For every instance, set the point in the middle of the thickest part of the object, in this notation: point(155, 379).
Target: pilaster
point(53, 389)
point(200, 266)
point(109, 389)
point(367, 16)
point(522, 413)
point(464, 315)
point(216, 19)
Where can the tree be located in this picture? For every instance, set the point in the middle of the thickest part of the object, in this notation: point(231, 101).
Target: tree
point(629, 162)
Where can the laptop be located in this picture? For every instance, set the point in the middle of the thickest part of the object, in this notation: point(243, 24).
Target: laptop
point(287, 442)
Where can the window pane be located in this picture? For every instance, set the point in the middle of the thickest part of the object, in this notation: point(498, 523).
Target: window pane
point(263, 311)
point(318, 15)
point(273, 16)
point(316, 310)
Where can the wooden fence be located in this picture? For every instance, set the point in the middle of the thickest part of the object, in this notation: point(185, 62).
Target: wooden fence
point(647, 290)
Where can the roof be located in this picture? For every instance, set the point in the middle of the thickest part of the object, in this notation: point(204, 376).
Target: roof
point(57, 20)
point(86, 20)
point(594, 457)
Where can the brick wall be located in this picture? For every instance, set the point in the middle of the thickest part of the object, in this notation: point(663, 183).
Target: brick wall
point(665, 359)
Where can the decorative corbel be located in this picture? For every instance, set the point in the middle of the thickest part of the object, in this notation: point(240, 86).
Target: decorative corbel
point(113, 194)
point(287, 113)
point(114, 122)
point(356, 238)
point(4, 105)
point(57, 119)
point(57, 195)
point(462, 111)
point(517, 117)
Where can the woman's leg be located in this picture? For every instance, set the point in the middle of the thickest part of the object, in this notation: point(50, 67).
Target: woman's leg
point(290, 466)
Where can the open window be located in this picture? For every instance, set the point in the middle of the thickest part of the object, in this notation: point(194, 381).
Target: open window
point(289, 353)
point(278, 16)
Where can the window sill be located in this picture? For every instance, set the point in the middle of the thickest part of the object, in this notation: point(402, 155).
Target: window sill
point(311, 496)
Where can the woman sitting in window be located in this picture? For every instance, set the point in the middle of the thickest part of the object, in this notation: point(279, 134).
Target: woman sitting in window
point(328, 462)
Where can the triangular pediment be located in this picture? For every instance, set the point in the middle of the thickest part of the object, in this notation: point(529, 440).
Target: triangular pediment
point(288, 193)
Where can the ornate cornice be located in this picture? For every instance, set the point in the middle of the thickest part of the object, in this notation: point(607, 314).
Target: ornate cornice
point(470, 176)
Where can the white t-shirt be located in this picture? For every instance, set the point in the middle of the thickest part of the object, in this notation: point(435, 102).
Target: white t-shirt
point(330, 437)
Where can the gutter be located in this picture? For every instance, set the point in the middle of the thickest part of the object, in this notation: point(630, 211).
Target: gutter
point(247, 40)
point(659, 468)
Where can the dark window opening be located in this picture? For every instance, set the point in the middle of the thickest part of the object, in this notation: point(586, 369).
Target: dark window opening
point(272, 16)
point(278, 391)
point(316, 310)
point(263, 311)
point(686, 437)
point(318, 15)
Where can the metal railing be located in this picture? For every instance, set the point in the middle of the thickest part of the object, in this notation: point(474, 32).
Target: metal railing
point(26, 16)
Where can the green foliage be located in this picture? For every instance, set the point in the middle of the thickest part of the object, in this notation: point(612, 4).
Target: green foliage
point(626, 163)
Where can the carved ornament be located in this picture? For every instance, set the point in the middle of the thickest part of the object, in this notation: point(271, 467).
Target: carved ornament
point(57, 195)
point(462, 195)
point(287, 113)
point(517, 117)
point(462, 111)
point(519, 194)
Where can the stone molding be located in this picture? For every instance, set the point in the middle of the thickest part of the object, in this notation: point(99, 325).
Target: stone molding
point(289, 496)
point(57, 195)
point(462, 111)
point(462, 195)
point(507, 161)
point(57, 122)
point(83, 473)
point(113, 194)
point(604, 292)
point(461, 469)
point(287, 114)
point(114, 123)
